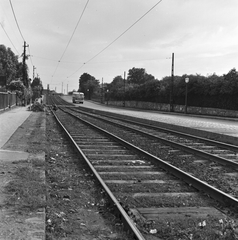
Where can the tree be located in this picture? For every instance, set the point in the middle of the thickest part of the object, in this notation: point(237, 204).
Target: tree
point(117, 81)
point(138, 76)
point(36, 82)
point(8, 63)
point(88, 85)
point(37, 87)
point(117, 84)
point(18, 87)
point(230, 83)
point(83, 82)
point(116, 88)
point(19, 73)
point(23, 93)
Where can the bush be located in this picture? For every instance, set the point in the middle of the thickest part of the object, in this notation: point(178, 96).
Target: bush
point(37, 107)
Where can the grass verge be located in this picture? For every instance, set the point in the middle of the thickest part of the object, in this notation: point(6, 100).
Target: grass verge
point(26, 191)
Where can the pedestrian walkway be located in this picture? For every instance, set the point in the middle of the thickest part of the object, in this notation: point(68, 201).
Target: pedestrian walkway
point(10, 120)
point(18, 126)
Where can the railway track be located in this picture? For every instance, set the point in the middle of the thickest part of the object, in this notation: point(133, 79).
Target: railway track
point(57, 100)
point(161, 200)
point(217, 161)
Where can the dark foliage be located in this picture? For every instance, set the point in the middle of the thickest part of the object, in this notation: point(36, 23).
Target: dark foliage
point(88, 85)
point(37, 88)
point(203, 91)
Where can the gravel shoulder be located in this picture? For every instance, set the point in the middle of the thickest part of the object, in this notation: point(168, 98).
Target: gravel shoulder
point(76, 206)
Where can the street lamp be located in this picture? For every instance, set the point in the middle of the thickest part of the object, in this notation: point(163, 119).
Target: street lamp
point(124, 100)
point(88, 93)
point(107, 96)
point(186, 94)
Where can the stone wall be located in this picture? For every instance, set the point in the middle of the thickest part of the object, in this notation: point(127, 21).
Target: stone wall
point(177, 108)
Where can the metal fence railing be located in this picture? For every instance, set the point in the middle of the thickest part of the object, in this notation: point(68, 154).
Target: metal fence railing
point(8, 100)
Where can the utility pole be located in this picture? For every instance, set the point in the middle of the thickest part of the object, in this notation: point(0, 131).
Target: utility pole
point(172, 86)
point(25, 81)
point(67, 89)
point(62, 88)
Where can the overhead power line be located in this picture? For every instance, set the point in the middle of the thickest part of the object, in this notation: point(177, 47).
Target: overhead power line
point(56, 68)
point(9, 38)
point(16, 20)
point(75, 28)
point(118, 37)
point(21, 34)
point(30, 55)
point(71, 36)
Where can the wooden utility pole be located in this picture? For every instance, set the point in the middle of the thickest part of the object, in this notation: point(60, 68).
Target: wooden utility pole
point(25, 81)
point(172, 86)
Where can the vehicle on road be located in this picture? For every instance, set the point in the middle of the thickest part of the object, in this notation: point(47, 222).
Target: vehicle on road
point(78, 97)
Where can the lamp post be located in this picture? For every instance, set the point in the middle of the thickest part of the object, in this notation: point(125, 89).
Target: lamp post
point(107, 96)
point(102, 92)
point(88, 93)
point(186, 95)
point(124, 100)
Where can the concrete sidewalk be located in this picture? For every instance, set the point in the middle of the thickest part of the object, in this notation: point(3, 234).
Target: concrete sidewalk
point(22, 145)
point(10, 120)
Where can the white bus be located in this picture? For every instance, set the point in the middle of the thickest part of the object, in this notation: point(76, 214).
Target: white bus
point(78, 97)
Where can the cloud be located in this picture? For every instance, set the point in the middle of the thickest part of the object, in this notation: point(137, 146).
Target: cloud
point(203, 35)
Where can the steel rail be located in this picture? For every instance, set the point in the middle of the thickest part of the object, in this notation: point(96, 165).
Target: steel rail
point(120, 211)
point(210, 141)
point(185, 148)
point(191, 180)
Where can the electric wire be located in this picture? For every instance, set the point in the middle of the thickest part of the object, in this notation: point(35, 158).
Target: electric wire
point(6, 16)
point(75, 29)
point(9, 38)
point(117, 37)
point(20, 30)
point(71, 37)
point(30, 56)
point(16, 20)
point(107, 62)
point(128, 60)
point(56, 68)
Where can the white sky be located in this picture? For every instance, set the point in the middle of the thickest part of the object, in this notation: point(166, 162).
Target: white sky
point(202, 34)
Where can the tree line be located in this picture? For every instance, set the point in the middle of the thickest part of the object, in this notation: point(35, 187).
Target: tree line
point(12, 74)
point(202, 91)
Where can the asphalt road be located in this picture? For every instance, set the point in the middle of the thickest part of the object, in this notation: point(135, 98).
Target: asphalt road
point(221, 126)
